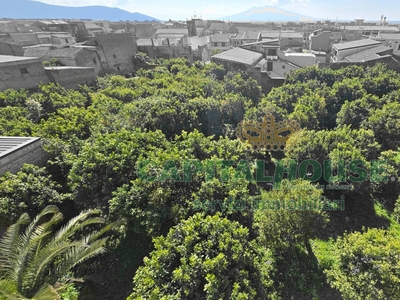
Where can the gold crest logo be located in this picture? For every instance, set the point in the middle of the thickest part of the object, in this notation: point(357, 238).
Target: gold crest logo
point(268, 134)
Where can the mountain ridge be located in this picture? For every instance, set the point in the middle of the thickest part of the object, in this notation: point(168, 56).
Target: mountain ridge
point(268, 13)
point(26, 9)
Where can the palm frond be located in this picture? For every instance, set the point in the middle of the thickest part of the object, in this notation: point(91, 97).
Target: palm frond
point(33, 260)
point(80, 254)
point(8, 290)
point(75, 224)
point(47, 292)
point(8, 245)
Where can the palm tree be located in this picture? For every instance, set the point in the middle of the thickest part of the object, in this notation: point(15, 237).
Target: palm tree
point(33, 260)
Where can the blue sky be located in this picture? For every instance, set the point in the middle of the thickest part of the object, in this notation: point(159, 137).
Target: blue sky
point(208, 9)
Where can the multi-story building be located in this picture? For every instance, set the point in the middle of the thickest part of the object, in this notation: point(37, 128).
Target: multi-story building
point(340, 51)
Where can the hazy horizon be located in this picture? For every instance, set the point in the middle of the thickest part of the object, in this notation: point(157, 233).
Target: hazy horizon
point(181, 10)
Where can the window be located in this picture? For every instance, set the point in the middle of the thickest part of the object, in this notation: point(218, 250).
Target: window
point(223, 44)
point(269, 66)
point(215, 44)
point(24, 71)
point(283, 66)
point(94, 61)
point(271, 52)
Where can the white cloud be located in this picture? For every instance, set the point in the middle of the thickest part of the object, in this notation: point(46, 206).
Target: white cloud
point(265, 2)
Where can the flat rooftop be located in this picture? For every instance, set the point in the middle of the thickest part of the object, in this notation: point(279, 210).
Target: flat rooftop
point(239, 55)
point(9, 144)
point(356, 44)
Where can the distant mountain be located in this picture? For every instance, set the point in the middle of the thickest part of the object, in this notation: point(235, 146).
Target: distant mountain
point(26, 9)
point(268, 13)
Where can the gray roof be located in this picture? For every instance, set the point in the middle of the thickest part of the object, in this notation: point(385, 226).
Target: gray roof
point(9, 144)
point(53, 22)
point(356, 44)
point(372, 27)
point(219, 27)
point(221, 37)
point(266, 43)
point(239, 55)
point(145, 42)
point(57, 53)
point(389, 36)
point(370, 54)
point(172, 31)
point(247, 35)
point(282, 34)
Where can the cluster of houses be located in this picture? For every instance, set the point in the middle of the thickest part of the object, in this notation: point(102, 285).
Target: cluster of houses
point(74, 52)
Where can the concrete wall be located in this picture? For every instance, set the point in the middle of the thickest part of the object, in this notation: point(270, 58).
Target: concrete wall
point(287, 42)
point(90, 59)
point(231, 65)
point(117, 52)
point(219, 45)
point(266, 83)
point(282, 67)
point(11, 76)
point(320, 41)
point(70, 77)
point(167, 51)
point(30, 154)
point(299, 59)
point(10, 49)
point(67, 40)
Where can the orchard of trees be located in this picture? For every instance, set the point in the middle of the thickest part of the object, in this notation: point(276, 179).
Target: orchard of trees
point(101, 226)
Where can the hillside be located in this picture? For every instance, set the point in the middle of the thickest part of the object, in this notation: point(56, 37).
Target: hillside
point(26, 9)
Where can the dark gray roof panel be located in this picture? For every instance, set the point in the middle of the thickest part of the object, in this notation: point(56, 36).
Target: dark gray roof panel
point(10, 144)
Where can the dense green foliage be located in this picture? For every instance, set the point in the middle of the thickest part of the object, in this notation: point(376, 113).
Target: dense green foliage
point(142, 148)
point(206, 258)
point(368, 266)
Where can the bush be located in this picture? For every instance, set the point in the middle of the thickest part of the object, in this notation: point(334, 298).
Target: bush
point(369, 265)
point(205, 258)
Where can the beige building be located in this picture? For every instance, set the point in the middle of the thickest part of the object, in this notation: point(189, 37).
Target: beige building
point(21, 72)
